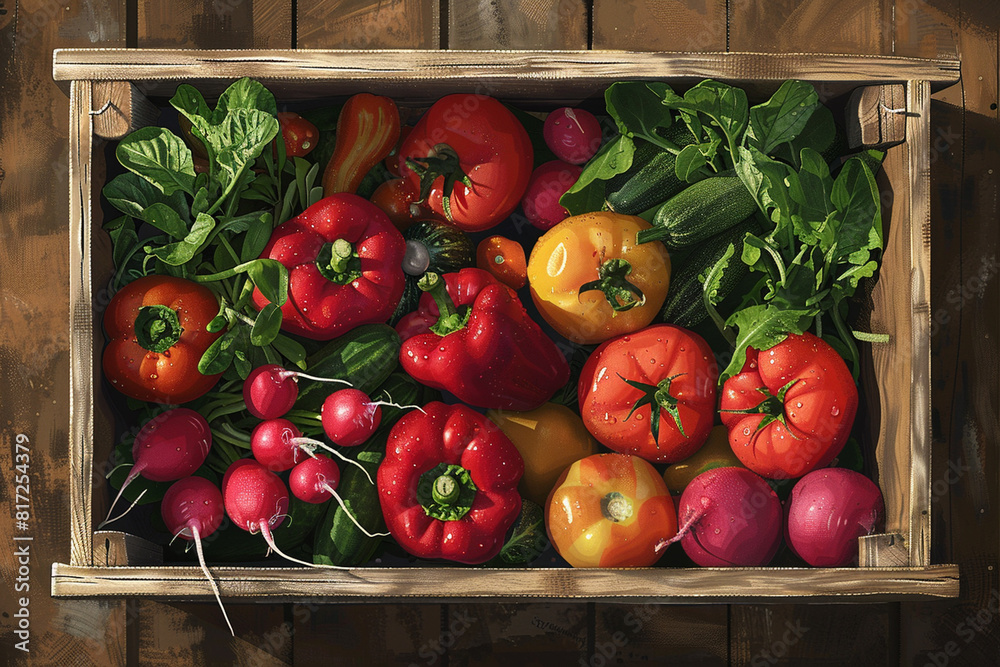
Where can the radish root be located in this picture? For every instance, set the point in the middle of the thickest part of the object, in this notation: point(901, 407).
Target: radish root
point(340, 501)
point(134, 503)
point(208, 575)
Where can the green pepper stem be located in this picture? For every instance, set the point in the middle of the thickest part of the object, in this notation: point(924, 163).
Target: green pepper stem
point(450, 319)
point(157, 328)
point(445, 490)
point(338, 262)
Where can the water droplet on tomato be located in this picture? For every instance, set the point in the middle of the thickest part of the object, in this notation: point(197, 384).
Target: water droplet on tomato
point(746, 431)
point(835, 411)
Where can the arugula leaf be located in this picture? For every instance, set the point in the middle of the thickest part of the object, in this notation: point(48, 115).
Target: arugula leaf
point(258, 234)
point(614, 157)
point(762, 327)
point(782, 117)
point(726, 105)
point(219, 355)
point(159, 156)
point(637, 108)
point(692, 163)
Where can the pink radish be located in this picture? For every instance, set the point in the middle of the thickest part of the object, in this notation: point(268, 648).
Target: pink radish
point(315, 480)
point(828, 511)
point(169, 446)
point(256, 500)
point(574, 135)
point(350, 417)
point(192, 509)
point(277, 444)
point(270, 391)
point(235, 465)
point(728, 516)
point(548, 183)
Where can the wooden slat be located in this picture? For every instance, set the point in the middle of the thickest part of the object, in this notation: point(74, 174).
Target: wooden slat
point(113, 548)
point(882, 551)
point(688, 584)
point(876, 116)
point(660, 25)
point(368, 24)
point(662, 634)
point(529, 634)
point(517, 24)
point(845, 26)
point(924, 29)
point(119, 108)
point(224, 24)
point(357, 634)
point(529, 72)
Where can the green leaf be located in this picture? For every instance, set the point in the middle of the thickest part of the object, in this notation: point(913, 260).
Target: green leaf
point(266, 326)
point(271, 278)
point(201, 203)
point(189, 101)
point(257, 236)
point(762, 327)
point(712, 281)
point(856, 196)
point(165, 219)
point(291, 350)
point(181, 252)
point(819, 134)
point(219, 355)
point(123, 239)
point(246, 94)
point(160, 157)
point(527, 540)
point(614, 158)
point(237, 140)
point(132, 194)
point(783, 117)
point(637, 108)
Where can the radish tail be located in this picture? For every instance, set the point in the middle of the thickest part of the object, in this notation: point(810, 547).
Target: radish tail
point(134, 503)
point(296, 374)
point(128, 480)
point(208, 575)
point(266, 532)
point(340, 501)
point(392, 404)
point(318, 443)
point(684, 530)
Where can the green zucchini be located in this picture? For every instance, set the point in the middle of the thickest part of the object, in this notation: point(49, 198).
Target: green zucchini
point(364, 356)
point(685, 305)
point(338, 540)
point(431, 246)
point(700, 211)
point(652, 178)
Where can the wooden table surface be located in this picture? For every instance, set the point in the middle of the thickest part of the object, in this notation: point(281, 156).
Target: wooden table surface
point(34, 356)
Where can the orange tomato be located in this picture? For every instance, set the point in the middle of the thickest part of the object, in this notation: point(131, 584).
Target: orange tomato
point(549, 438)
point(503, 259)
point(591, 281)
point(715, 453)
point(610, 510)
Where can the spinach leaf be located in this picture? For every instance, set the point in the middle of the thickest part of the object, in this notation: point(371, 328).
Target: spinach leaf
point(181, 252)
point(271, 278)
point(637, 108)
point(782, 117)
point(131, 194)
point(246, 94)
point(159, 156)
point(587, 194)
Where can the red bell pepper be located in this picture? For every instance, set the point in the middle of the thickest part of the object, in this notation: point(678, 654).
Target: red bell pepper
point(472, 337)
point(448, 484)
point(156, 336)
point(344, 260)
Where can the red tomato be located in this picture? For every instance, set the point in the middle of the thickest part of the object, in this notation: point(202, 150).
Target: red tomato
point(504, 259)
point(392, 161)
point(396, 197)
point(791, 408)
point(300, 135)
point(662, 365)
point(475, 157)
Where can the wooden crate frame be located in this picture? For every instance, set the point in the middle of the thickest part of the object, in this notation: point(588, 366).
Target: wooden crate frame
point(894, 566)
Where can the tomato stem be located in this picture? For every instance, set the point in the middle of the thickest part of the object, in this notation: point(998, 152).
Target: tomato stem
point(616, 507)
point(442, 161)
point(612, 280)
point(659, 395)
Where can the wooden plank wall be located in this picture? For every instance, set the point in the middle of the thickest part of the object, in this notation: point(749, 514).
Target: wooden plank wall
point(965, 335)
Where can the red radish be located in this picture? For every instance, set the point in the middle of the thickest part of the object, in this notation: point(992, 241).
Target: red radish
point(828, 511)
point(548, 183)
point(315, 481)
point(192, 509)
point(256, 500)
point(350, 417)
point(270, 391)
point(169, 446)
point(728, 516)
point(574, 135)
point(278, 445)
point(235, 465)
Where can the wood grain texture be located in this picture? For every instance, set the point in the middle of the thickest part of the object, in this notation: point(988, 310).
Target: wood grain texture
point(119, 108)
point(532, 635)
point(368, 24)
point(518, 24)
point(846, 26)
point(882, 551)
point(876, 116)
point(660, 25)
point(369, 584)
point(223, 24)
point(359, 634)
point(665, 634)
point(112, 548)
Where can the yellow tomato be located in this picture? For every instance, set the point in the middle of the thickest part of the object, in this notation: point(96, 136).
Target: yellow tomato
point(610, 510)
point(549, 438)
point(715, 453)
point(591, 281)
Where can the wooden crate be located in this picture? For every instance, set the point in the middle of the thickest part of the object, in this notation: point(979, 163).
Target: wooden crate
point(892, 98)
